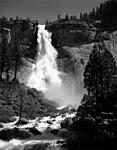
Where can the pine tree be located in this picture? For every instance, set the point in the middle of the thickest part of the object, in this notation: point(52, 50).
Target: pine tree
point(81, 16)
point(16, 56)
point(59, 17)
point(85, 16)
point(15, 46)
point(66, 17)
point(5, 56)
point(100, 73)
point(3, 47)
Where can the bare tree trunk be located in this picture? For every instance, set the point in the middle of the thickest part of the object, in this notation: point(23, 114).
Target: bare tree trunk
point(1, 71)
point(15, 73)
point(20, 115)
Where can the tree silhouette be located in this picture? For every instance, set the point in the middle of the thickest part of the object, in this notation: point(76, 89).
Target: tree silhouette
point(66, 17)
point(100, 76)
point(5, 53)
point(59, 17)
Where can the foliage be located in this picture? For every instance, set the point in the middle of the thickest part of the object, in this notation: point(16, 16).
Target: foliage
point(18, 36)
point(100, 76)
point(107, 11)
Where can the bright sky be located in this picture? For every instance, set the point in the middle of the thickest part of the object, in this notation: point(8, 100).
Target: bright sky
point(45, 9)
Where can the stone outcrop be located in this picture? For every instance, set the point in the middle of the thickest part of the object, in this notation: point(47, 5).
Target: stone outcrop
point(71, 32)
point(33, 102)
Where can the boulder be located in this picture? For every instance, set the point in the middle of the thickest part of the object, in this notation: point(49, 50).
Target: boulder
point(49, 122)
point(65, 110)
point(22, 121)
point(8, 134)
point(66, 123)
point(21, 134)
point(36, 147)
point(1, 126)
point(64, 133)
point(55, 131)
point(34, 131)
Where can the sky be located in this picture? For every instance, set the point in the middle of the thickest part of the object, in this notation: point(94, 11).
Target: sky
point(42, 10)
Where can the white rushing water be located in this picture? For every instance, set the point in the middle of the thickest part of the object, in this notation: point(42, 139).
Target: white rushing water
point(41, 124)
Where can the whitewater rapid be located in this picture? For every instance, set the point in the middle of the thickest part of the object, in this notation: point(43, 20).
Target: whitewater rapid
point(41, 125)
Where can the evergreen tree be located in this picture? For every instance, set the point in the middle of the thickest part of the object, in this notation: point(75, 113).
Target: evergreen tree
point(66, 17)
point(15, 46)
point(16, 56)
point(85, 16)
point(71, 17)
point(3, 47)
point(5, 56)
point(46, 22)
point(100, 76)
point(92, 14)
point(81, 16)
point(74, 17)
point(59, 16)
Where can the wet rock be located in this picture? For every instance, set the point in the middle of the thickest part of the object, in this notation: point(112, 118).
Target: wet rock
point(21, 134)
point(36, 147)
point(53, 120)
point(53, 115)
point(55, 131)
point(66, 123)
point(61, 142)
point(49, 122)
point(22, 121)
point(65, 110)
point(34, 131)
point(8, 134)
point(73, 110)
point(63, 115)
point(1, 126)
point(64, 133)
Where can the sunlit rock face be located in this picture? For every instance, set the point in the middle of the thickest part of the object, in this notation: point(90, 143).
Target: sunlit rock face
point(76, 57)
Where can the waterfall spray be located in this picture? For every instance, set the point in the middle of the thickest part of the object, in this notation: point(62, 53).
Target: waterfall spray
point(45, 77)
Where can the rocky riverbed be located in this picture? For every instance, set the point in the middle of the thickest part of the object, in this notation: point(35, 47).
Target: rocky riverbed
point(43, 133)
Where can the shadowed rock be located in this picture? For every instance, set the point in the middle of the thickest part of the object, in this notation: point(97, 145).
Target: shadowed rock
point(22, 121)
point(34, 131)
point(8, 134)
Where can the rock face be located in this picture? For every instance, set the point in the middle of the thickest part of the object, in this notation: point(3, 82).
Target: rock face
point(11, 96)
point(74, 40)
point(76, 57)
point(71, 32)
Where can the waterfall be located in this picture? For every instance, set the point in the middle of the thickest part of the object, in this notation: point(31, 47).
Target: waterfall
point(45, 77)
